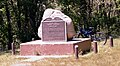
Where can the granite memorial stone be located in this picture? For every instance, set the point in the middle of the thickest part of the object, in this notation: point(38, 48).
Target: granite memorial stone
point(51, 14)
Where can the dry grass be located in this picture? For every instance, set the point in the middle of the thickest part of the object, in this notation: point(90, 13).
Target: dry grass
point(107, 56)
point(7, 59)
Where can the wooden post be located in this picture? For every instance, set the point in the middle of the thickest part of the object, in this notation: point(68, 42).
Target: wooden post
point(111, 41)
point(95, 47)
point(13, 49)
point(33, 39)
point(76, 52)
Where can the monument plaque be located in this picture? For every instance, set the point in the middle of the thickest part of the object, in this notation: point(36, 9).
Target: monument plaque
point(54, 30)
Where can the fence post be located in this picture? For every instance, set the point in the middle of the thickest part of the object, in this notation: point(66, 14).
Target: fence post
point(13, 49)
point(95, 47)
point(33, 39)
point(76, 52)
point(111, 41)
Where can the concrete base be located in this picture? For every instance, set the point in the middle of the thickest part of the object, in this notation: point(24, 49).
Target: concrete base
point(39, 47)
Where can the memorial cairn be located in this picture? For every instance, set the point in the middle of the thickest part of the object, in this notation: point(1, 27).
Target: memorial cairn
point(56, 32)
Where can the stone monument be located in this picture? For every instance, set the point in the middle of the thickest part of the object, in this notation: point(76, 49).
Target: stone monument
point(55, 30)
point(56, 16)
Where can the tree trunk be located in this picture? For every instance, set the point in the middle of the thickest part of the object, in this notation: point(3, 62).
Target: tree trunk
point(19, 12)
point(9, 26)
point(32, 15)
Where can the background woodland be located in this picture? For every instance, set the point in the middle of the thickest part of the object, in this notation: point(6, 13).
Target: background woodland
point(20, 19)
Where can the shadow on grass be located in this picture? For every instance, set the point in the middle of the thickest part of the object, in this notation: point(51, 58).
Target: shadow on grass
point(9, 52)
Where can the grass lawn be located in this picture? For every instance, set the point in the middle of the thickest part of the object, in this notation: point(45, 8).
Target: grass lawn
point(106, 56)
